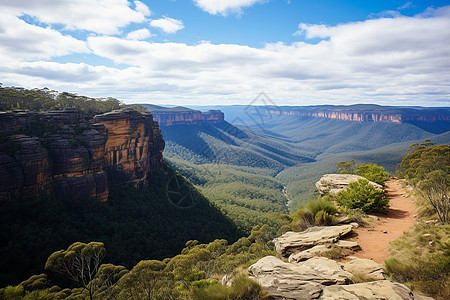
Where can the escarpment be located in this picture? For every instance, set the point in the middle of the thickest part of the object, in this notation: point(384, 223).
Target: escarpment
point(73, 157)
point(188, 117)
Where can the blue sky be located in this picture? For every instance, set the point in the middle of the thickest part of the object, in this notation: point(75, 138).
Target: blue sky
point(207, 52)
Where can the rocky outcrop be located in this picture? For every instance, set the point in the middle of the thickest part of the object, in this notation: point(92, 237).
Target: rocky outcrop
point(365, 266)
point(68, 155)
point(292, 242)
point(296, 281)
point(366, 113)
point(383, 289)
point(188, 117)
point(134, 145)
point(334, 183)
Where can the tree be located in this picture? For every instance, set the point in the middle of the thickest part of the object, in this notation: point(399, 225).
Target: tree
point(428, 168)
point(80, 262)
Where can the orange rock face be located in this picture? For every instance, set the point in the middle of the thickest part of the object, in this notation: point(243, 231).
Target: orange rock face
point(65, 154)
point(134, 146)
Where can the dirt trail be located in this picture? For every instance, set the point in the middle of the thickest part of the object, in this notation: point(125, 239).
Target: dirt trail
point(374, 240)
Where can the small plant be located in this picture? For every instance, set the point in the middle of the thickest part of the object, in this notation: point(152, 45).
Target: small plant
point(361, 194)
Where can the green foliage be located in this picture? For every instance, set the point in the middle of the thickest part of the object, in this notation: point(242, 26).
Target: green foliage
point(242, 288)
point(428, 168)
point(79, 262)
point(248, 196)
point(12, 98)
point(361, 194)
point(318, 212)
point(372, 172)
point(134, 224)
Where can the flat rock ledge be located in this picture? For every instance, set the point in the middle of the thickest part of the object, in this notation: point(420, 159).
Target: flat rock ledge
point(293, 242)
point(334, 183)
point(321, 278)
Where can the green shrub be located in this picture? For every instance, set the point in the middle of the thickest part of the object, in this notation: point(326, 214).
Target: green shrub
point(243, 288)
point(361, 194)
point(372, 172)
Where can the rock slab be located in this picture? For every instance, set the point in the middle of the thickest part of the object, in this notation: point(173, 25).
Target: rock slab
point(292, 242)
point(334, 183)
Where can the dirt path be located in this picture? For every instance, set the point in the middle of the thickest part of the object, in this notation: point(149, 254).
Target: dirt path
point(374, 239)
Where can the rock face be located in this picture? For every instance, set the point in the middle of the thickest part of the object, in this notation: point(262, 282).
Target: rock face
point(334, 183)
point(294, 281)
point(368, 113)
point(189, 117)
point(134, 145)
point(292, 242)
point(365, 266)
point(66, 154)
point(383, 289)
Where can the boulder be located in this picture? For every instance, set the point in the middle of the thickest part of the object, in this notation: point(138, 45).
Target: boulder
point(347, 245)
point(334, 183)
point(329, 267)
point(382, 289)
point(308, 253)
point(365, 266)
point(292, 242)
point(294, 281)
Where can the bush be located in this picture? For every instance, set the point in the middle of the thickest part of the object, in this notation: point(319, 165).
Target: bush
point(361, 194)
point(318, 212)
point(243, 288)
point(372, 172)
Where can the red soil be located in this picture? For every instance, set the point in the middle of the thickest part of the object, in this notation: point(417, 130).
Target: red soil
point(374, 239)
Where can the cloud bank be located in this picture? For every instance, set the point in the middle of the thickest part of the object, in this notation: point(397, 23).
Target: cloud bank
point(388, 60)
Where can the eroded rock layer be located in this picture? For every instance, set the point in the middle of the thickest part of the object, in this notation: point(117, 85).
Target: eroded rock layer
point(67, 154)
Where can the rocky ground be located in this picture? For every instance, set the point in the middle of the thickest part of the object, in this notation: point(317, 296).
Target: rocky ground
point(301, 272)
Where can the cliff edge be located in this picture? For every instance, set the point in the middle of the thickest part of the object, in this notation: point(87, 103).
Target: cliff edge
point(71, 156)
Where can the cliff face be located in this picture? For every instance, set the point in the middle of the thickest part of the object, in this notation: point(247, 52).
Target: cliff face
point(370, 114)
point(192, 117)
point(65, 154)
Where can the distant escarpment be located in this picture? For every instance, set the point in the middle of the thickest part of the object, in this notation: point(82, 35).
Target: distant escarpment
point(184, 116)
point(71, 156)
point(367, 113)
point(424, 117)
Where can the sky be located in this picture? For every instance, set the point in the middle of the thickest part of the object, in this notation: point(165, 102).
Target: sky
point(221, 52)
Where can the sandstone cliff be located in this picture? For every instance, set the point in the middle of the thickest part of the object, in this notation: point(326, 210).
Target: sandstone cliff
point(366, 113)
point(171, 117)
point(65, 154)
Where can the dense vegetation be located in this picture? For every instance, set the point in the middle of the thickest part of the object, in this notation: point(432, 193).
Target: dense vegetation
point(422, 256)
point(133, 224)
point(372, 172)
point(12, 98)
point(248, 196)
point(192, 274)
point(428, 168)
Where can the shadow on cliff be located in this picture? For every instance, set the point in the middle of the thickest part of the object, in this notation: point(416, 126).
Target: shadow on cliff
point(134, 224)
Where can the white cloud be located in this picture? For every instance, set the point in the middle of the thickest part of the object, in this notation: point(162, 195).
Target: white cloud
point(215, 7)
point(140, 34)
point(167, 24)
point(99, 16)
point(22, 41)
point(392, 61)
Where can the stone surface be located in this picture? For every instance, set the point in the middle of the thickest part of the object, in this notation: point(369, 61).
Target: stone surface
point(382, 289)
point(292, 281)
point(328, 267)
point(365, 266)
point(65, 153)
point(334, 183)
point(308, 253)
point(347, 244)
point(292, 242)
